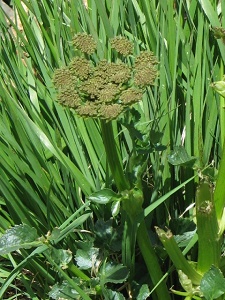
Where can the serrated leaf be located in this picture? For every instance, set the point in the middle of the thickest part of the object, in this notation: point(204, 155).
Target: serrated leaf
point(113, 273)
point(212, 284)
point(86, 259)
point(63, 291)
point(61, 257)
point(144, 292)
point(107, 236)
point(155, 136)
point(180, 157)
point(104, 196)
point(109, 294)
point(54, 234)
point(140, 291)
point(181, 225)
point(184, 239)
point(19, 236)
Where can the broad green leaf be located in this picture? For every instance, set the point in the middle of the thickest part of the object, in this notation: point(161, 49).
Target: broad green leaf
point(143, 292)
point(179, 226)
point(60, 256)
point(140, 291)
point(54, 235)
point(19, 236)
point(87, 259)
point(180, 157)
point(107, 236)
point(115, 208)
point(113, 273)
point(213, 284)
point(184, 239)
point(104, 196)
point(63, 291)
point(109, 294)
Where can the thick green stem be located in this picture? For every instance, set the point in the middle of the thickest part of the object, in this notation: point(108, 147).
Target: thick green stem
point(151, 261)
point(132, 205)
point(113, 157)
point(219, 194)
point(177, 257)
point(77, 272)
point(207, 229)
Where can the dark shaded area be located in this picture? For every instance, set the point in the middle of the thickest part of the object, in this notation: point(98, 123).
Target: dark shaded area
point(8, 2)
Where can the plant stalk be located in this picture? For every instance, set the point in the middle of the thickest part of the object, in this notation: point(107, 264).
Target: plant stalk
point(207, 229)
point(151, 262)
point(219, 193)
point(113, 157)
point(132, 205)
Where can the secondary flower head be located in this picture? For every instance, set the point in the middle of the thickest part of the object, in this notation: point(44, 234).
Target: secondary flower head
point(145, 69)
point(122, 45)
point(104, 89)
point(131, 96)
point(80, 67)
point(84, 42)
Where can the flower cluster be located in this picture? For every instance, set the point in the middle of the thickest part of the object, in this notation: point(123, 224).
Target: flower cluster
point(122, 45)
point(104, 89)
point(84, 42)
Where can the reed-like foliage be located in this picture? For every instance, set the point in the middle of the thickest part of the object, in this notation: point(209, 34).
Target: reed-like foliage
point(52, 160)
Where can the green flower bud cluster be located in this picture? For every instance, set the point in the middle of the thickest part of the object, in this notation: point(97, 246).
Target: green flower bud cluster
point(122, 45)
point(104, 89)
point(219, 87)
point(84, 42)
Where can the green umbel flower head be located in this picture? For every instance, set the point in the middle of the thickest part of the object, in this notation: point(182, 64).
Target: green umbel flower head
point(84, 42)
point(122, 45)
point(145, 69)
point(104, 89)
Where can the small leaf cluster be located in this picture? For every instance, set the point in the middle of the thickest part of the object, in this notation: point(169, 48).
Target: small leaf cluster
point(104, 89)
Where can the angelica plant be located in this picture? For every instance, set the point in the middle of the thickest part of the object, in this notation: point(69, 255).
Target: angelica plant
point(103, 89)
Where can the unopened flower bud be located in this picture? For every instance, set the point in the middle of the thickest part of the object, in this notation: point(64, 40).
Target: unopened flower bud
point(219, 87)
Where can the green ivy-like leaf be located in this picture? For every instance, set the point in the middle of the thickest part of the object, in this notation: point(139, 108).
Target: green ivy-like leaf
point(19, 236)
point(86, 259)
point(113, 273)
point(61, 257)
point(104, 196)
point(63, 291)
point(140, 291)
point(55, 234)
point(184, 239)
point(181, 225)
point(109, 294)
point(180, 157)
point(143, 292)
point(107, 236)
point(212, 284)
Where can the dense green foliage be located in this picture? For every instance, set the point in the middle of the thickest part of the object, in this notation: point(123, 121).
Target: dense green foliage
point(80, 197)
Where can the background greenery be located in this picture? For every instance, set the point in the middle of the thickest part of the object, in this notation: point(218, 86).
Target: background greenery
point(51, 160)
